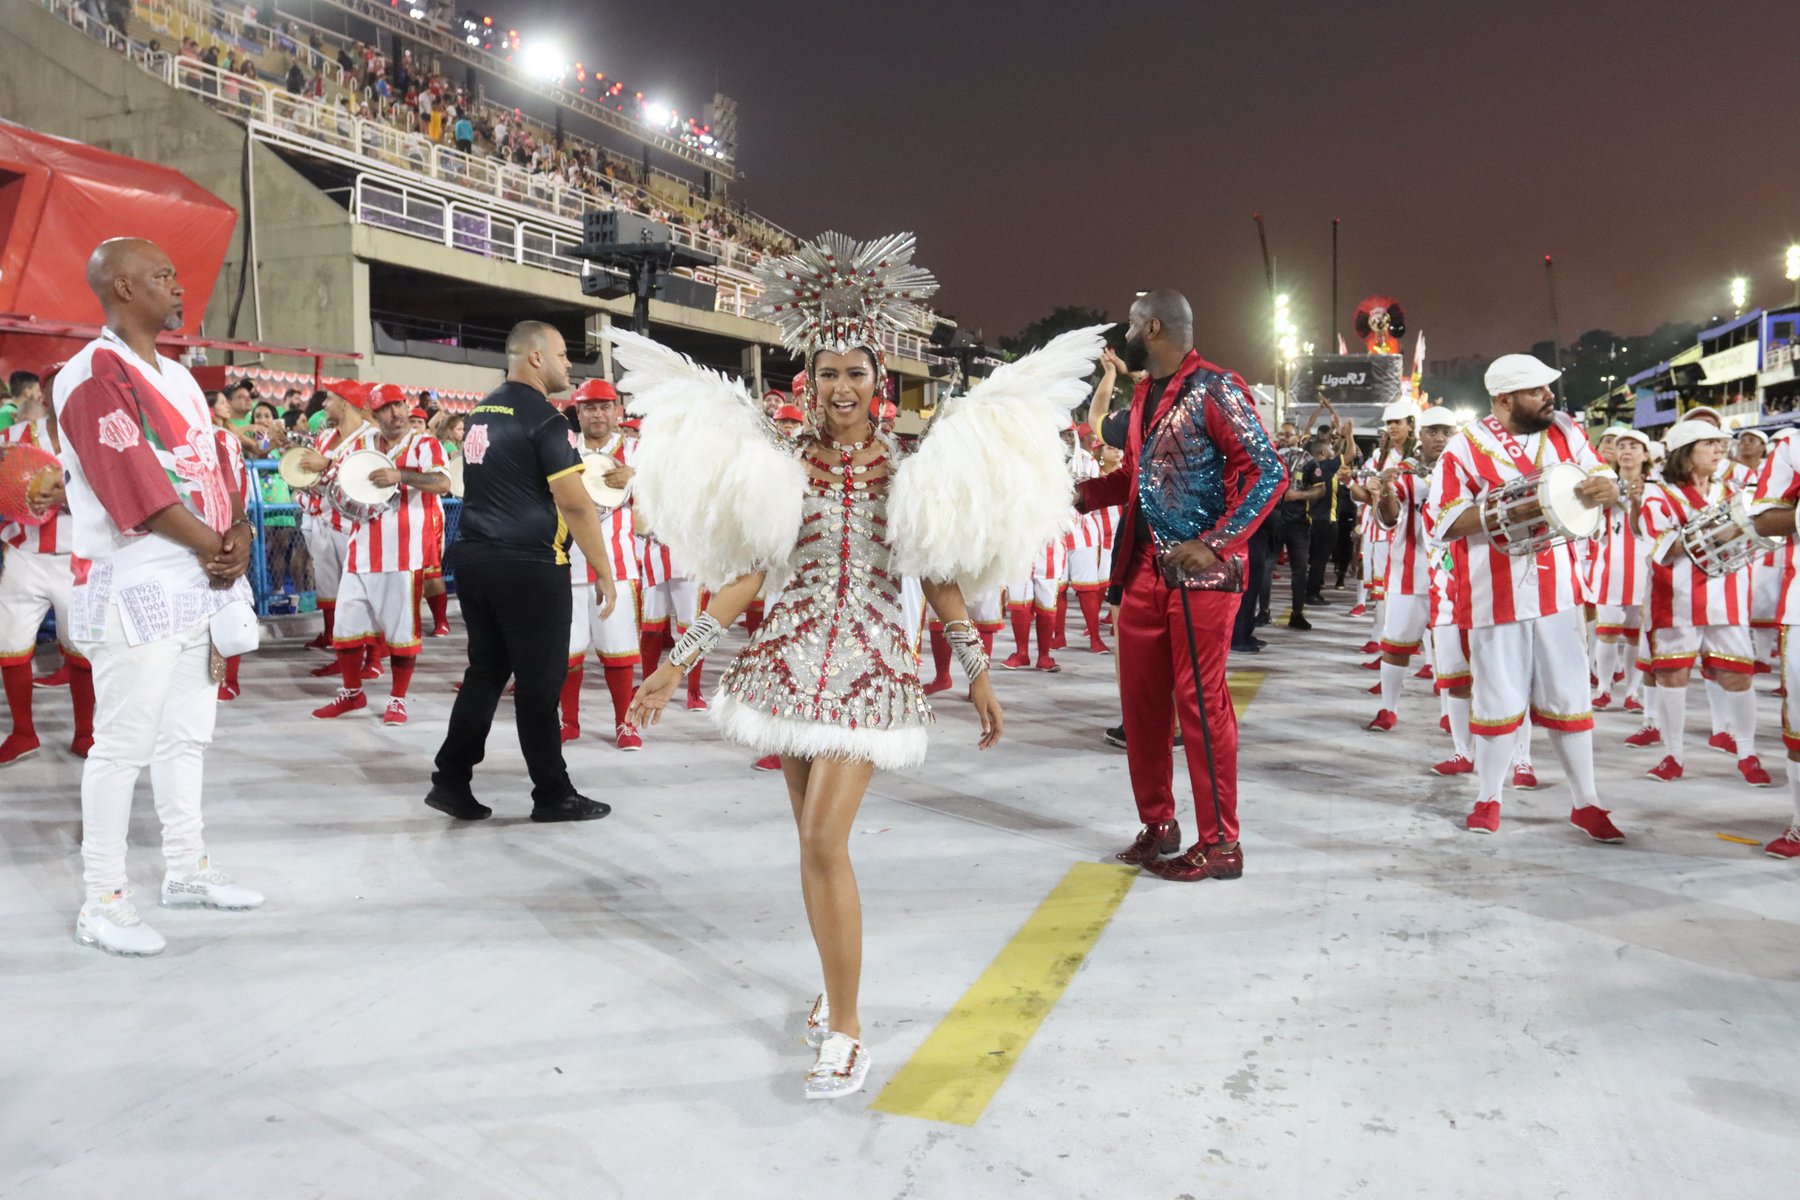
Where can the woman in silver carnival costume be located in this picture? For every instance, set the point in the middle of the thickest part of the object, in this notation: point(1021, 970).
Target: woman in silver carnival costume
point(829, 681)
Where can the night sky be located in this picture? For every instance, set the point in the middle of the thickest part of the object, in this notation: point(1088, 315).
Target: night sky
point(1052, 153)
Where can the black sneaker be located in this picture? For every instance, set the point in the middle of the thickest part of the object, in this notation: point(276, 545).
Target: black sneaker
point(1251, 647)
point(1299, 622)
point(461, 805)
point(1116, 736)
point(1262, 618)
point(573, 807)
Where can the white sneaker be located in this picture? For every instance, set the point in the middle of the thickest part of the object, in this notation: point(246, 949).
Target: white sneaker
point(207, 887)
point(840, 1069)
point(818, 1022)
point(111, 923)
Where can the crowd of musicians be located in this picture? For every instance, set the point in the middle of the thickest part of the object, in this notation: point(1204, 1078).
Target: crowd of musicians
point(1656, 563)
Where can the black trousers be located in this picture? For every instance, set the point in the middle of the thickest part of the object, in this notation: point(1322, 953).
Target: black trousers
point(517, 617)
point(1294, 535)
point(1243, 630)
point(1324, 543)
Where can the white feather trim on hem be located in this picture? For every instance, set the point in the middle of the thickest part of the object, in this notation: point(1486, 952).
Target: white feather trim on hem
point(888, 749)
point(989, 486)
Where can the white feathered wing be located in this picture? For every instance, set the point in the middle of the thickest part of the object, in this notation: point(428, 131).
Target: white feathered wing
point(714, 482)
point(989, 486)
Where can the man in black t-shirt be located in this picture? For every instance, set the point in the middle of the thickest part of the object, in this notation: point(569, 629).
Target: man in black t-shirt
point(522, 501)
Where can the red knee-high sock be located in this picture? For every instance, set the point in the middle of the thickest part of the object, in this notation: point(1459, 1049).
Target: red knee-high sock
point(618, 683)
point(231, 669)
point(328, 610)
point(350, 666)
point(372, 654)
point(571, 693)
point(1062, 617)
point(18, 697)
point(81, 696)
point(753, 617)
point(987, 641)
point(1089, 600)
point(402, 667)
point(1046, 630)
point(650, 642)
point(940, 653)
point(1021, 623)
point(694, 681)
point(440, 609)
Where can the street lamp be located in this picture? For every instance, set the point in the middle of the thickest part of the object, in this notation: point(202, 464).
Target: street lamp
point(1793, 270)
point(1740, 293)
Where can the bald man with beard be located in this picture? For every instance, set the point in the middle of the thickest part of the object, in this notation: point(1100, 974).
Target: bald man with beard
point(160, 546)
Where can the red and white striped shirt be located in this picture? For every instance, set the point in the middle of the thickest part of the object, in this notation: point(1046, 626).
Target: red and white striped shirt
point(1779, 487)
point(51, 537)
point(616, 526)
point(659, 566)
point(1620, 575)
point(407, 537)
point(1496, 588)
point(1369, 524)
point(1408, 572)
point(334, 445)
point(1681, 594)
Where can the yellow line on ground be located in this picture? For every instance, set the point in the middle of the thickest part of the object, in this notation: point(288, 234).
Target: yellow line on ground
point(953, 1076)
point(1244, 685)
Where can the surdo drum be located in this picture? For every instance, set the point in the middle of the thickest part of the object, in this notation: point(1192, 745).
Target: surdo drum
point(350, 491)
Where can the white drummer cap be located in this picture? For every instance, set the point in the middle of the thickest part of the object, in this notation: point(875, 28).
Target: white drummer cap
point(1634, 435)
point(1755, 433)
point(1437, 415)
point(1400, 410)
point(1518, 373)
point(1686, 433)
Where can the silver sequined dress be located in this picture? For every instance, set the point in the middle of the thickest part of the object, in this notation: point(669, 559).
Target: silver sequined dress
point(830, 673)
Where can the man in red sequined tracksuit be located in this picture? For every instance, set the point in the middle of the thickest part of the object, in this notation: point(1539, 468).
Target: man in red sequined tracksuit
point(1200, 474)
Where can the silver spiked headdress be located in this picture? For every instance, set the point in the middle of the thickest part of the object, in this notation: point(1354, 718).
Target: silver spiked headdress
point(835, 293)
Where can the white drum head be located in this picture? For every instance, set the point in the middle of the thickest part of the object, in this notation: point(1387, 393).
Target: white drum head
point(1569, 515)
point(454, 469)
point(292, 473)
point(353, 476)
point(593, 478)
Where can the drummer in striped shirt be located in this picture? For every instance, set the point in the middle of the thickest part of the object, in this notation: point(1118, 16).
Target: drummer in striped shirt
point(1620, 582)
point(1693, 615)
point(1750, 453)
point(1398, 502)
point(388, 553)
point(1773, 506)
point(1524, 627)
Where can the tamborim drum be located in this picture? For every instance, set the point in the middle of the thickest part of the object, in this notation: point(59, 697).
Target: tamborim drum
point(594, 479)
point(293, 473)
point(454, 469)
point(1721, 538)
point(1539, 510)
point(351, 493)
point(27, 476)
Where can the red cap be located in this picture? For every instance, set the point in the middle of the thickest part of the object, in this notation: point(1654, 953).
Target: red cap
point(776, 393)
point(354, 392)
point(789, 412)
point(384, 394)
point(420, 414)
point(799, 384)
point(596, 390)
point(883, 410)
point(629, 423)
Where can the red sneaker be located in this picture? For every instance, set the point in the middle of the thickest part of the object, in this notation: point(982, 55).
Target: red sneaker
point(228, 691)
point(768, 762)
point(347, 701)
point(697, 703)
point(1632, 704)
point(1424, 672)
point(1374, 664)
point(1016, 660)
point(1371, 648)
point(1603, 700)
point(1668, 770)
point(570, 732)
point(628, 737)
point(56, 678)
point(1785, 846)
point(324, 671)
point(1485, 818)
point(941, 684)
point(1763, 668)
point(1618, 677)
point(1361, 610)
point(1645, 737)
point(1723, 742)
point(396, 712)
point(17, 747)
point(319, 643)
point(1524, 778)
point(1384, 721)
point(1780, 693)
point(1096, 646)
point(1444, 722)
point(1593, 821)
point(368, 672)
point(1374, 689)
point(1047, 664)
point(1593, 680)
point(83, 743)
point(1456, 764)
point(440, 630)
point(1753, 772)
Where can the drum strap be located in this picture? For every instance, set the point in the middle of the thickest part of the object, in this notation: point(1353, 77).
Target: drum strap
point(1510, 444)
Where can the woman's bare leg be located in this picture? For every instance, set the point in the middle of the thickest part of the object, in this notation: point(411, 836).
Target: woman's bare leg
point(827, 807)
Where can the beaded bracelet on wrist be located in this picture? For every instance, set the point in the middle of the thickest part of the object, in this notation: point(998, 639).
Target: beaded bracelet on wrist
point(693, 645)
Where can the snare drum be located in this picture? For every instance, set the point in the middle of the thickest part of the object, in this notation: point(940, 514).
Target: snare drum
point(594, 479)
point(454, 469)
point(294, 474)
point(1721, 538)
point(350, 492)
point(1539, 510)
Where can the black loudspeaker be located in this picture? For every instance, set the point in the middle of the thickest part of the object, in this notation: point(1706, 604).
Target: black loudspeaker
point(689, 293)
point(611, 230)
point(605, 285)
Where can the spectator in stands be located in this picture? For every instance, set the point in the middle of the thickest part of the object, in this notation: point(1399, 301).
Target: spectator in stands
point(465, 134)
point(25, 389)
point(293, 400)
point(447, 428)
point(296, 78)
point(241, 396)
